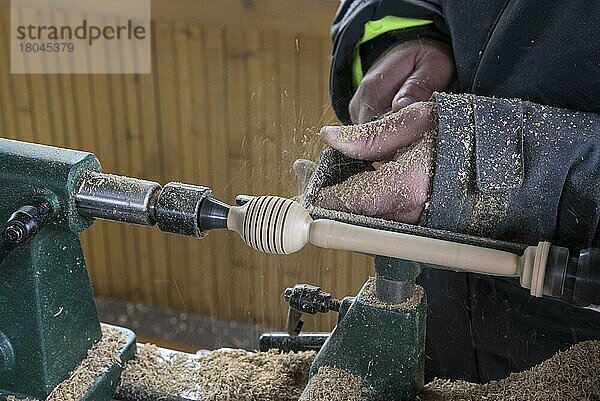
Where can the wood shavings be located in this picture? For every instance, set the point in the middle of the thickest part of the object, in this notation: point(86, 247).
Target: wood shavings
point(238, 375)
point(156, 372)
point(334, 384)
point(103, 355)
point(219, 375)
point(354, 133)
point(390, 123)
point(570, 375)
point(366, 185)
point(255, 376)
point(488, 209)
point(396, 190)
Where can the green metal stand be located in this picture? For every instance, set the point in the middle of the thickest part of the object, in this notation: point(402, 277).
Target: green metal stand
point(384, 346)
point(48, 317)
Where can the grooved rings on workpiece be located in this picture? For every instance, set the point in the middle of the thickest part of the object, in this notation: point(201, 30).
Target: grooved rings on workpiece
point(275, 225)
point(177, 207)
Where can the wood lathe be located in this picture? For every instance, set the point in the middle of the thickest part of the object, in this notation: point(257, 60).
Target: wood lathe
point(50, 195)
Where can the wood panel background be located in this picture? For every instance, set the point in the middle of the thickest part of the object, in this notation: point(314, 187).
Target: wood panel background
point(238, 91)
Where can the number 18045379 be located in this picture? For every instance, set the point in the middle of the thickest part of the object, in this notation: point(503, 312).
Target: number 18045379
point(48, 47)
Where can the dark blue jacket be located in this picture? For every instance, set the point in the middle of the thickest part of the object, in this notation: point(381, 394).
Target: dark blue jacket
point(523, 165)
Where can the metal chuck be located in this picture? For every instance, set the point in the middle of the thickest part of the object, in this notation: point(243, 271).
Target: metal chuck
point(176, 208)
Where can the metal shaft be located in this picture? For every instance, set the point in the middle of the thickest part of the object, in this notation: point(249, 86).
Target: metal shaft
point(393, 291)
point(119, 198)
point(176, 208)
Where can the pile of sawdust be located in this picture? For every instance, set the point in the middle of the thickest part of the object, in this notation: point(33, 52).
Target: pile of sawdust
point(219, 375)
point(103, 355)
point(570, 375)
point(153, 372)
point(271, 376)
point(260, 376)
point(334, 384)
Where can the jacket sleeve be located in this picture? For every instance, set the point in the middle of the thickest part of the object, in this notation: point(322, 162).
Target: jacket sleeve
point(515, 170)
point(348, 27)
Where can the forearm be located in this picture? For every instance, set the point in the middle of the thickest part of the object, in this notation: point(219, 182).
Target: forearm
point(516, 170)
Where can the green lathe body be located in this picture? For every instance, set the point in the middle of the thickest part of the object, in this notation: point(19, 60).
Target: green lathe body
point(48, 318)
point(385, 347)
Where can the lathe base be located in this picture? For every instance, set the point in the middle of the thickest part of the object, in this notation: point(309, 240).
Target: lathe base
point(383, 346)
point(105, 384)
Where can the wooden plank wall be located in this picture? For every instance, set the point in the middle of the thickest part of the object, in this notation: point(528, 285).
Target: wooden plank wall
point(238, 91)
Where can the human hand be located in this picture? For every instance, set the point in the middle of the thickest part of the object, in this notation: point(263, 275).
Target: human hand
point(409, 72)
point(398, 188)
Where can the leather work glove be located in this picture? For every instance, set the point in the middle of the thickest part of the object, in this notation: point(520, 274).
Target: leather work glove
point(402, 145)
point(408, 72)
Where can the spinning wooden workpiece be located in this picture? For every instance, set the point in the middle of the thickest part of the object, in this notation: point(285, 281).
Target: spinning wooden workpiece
point(278, 225)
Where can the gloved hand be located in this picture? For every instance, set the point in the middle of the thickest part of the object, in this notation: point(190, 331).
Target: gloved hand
point(398, 188)
point(409, 72)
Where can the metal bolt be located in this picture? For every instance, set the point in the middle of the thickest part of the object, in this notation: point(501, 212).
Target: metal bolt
point(14, 233)
point(310, 299)
point(306, 298)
